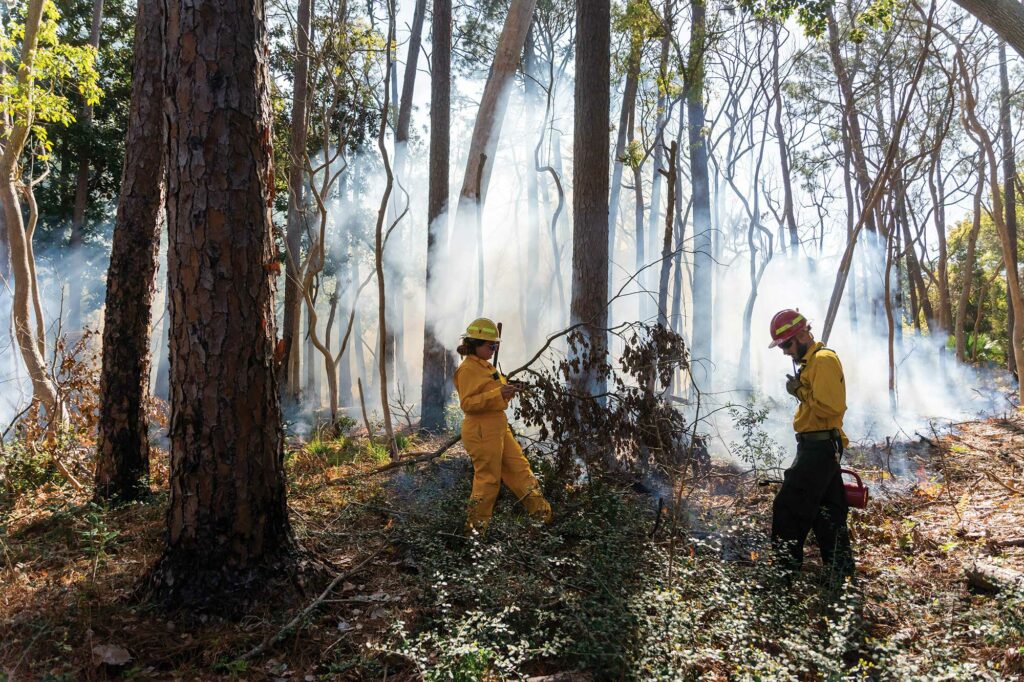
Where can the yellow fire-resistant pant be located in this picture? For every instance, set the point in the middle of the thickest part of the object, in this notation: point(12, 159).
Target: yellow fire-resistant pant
point(498, 458)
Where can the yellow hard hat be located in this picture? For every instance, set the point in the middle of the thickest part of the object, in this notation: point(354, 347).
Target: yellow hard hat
point(482, 329)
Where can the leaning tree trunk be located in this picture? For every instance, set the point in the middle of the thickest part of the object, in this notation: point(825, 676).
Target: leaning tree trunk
point(488, 124)
point(122, 463)
point(82, 193)
point(701, 343)
point(1005, 17)
point(437, 361)
point(589, 303)
point(227, 514)
point(19, 239)
point(291, 369)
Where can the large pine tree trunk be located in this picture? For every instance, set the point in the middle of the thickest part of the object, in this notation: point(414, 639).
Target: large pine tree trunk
point(701, 342)
point(291, 324)
point(437, 361)
point(227, 513)
point(589, 303)
point(122, 464)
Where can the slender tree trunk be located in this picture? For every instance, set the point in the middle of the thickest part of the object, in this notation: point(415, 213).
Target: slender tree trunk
point(291, 381)
point(780, 134)
point(378, 253)
point(1009, 179)
point(20, 244)
point(227, 514)
point(162, 388)
point(589, 303)
point(531, 301)
point(851, 116)
point(936, 186)
point(396, 334)
point(998, 217)
point(312, 384)
point(626, 117)
point(703, 270)
point(967, 267)
point(122, 463)
point(437, 361)
point(889, 317)
point(5, 251)
point(81, 193)
point(666, 246)
point(660, 120)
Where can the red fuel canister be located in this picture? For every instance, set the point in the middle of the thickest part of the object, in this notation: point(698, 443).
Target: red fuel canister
point(856, 493)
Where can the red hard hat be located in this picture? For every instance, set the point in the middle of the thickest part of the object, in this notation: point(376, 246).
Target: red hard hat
point(785, 325)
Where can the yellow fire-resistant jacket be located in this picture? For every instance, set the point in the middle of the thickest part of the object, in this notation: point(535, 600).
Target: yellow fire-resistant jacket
point(822, 392)
point(479, 386)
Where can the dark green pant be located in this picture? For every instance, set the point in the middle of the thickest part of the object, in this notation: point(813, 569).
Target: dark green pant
point(812, 498)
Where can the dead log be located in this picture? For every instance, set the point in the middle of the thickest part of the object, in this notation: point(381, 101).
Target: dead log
point(412, 459)
point(992, 578)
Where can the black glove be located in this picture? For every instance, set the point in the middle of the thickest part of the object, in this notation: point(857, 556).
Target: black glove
point(792, 385)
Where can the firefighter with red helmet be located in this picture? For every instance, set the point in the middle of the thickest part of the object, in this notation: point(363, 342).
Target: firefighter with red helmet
point(811, 496)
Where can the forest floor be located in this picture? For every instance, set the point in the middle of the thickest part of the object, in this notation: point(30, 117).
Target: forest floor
point(615, 588)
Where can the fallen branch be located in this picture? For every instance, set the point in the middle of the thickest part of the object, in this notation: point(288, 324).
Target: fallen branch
point(986, 576)
point(283, 632)
point(413, 459)
point(1000, 481)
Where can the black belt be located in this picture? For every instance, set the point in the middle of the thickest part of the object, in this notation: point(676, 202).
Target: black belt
point(817, 436)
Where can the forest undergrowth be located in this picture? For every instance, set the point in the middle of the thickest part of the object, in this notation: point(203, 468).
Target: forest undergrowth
point(619, 586)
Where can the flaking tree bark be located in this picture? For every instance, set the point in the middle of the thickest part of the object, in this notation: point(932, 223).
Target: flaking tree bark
point(227, 517)
point(122, 463)
point(437, 361)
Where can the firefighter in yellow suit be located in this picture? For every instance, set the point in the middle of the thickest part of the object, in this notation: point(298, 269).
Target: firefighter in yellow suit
point(484, 395)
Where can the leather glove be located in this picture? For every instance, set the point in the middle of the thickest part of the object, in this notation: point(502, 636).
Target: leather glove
point(792, 385)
